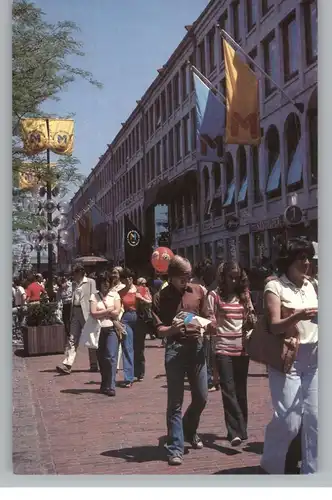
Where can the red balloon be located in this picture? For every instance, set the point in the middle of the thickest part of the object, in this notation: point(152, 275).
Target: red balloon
point(161, 258)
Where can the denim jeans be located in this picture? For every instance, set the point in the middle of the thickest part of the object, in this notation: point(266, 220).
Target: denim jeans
point(208, 357)
point(107, 355)
point(182, 359)
point(295, 401)
point(129, 319)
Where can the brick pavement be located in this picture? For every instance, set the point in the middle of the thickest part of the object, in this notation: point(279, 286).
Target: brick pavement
point(62, 425)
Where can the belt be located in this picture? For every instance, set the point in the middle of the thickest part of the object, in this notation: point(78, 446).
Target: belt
point(76, 306)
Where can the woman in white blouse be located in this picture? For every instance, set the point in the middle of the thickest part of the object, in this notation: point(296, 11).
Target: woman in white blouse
point(105, 306)
point(294, 394)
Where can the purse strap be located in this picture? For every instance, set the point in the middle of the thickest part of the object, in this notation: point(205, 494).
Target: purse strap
point(103, 301)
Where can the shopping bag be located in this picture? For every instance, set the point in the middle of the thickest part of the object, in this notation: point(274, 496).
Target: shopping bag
point(90, 333)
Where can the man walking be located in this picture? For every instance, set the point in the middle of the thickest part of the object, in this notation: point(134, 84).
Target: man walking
point(82, 289)
point(184, 355)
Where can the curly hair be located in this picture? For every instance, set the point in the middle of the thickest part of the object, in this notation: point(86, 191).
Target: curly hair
point(242, 287)
point(292, 250)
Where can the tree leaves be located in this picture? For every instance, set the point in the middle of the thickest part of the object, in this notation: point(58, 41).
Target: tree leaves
point(41, 70)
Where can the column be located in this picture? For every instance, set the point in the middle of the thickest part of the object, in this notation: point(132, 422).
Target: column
point(304, 145)
point(301, 38)
point(283, 167)
point(183, 201)
point(266, 242)
point(193, 211)
point(217, 48)
point(279, 49)
point(250, 190)
point(263, 173)
point(251, 248)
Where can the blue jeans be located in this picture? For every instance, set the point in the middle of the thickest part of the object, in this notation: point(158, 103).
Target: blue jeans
point(295, 401)
point(129, 319)
point(107, 355)
point(208, 357)
point(181, 359)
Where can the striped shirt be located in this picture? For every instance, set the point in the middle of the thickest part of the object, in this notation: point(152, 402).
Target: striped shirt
point(229, 318)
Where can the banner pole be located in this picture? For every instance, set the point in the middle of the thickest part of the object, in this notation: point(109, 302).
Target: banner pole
point(49, 219)
point(226, 36)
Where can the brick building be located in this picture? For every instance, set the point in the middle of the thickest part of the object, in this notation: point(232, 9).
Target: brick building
point(153, 161)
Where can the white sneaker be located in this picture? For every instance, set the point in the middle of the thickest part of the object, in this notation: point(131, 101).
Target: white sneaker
point(236, 441)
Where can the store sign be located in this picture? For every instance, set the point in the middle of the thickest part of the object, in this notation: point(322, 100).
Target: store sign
point(263, 225)
point(293, 215)
point(232, 223)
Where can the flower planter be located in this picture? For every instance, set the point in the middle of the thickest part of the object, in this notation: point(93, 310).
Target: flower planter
point(49, 339)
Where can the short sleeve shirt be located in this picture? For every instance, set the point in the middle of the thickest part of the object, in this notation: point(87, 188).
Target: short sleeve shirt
point(297, 298)
point(104, 303)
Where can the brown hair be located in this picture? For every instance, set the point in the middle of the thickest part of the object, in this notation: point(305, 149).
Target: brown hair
point(178, 266)
point(241, 289)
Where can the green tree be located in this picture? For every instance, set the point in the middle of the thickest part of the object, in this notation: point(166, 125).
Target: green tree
point(41, 71)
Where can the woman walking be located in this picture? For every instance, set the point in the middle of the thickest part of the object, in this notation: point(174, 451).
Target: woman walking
point(105, 306)
point(291, 301)
point(129, 319)
point(233, 311)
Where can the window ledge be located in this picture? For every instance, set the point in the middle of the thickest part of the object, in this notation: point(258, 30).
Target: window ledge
point(270, 96)
point(292, 78)
point(251, 31)
point(267, 14)
point(258, 204)
point(277, 198)
point(213, 72)
point(222, 66)
point(310, 66)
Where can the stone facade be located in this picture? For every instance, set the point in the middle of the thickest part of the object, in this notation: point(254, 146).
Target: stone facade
point(153, 158)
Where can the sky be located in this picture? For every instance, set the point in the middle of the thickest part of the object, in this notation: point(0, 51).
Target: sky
point(125, 42)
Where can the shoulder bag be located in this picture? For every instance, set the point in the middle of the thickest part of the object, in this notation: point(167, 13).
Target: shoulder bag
point(277, 351)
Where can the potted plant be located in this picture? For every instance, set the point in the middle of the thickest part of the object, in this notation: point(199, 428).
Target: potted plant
point(43, 332)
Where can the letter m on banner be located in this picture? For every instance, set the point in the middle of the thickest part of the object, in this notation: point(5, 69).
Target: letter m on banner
point(249, 123)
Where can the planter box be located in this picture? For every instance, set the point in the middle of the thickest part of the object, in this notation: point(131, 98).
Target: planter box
point(50, 339)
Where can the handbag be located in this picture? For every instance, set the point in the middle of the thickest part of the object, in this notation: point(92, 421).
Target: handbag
point(277, 351)
point(90, 333)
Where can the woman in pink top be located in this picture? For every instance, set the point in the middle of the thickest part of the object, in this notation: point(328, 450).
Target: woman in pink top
point(233, 311)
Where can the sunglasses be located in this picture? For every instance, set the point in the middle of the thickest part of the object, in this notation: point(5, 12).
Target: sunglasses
point(303, 256)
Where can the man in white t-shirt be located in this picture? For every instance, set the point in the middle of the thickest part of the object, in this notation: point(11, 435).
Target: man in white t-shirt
point(20, 295)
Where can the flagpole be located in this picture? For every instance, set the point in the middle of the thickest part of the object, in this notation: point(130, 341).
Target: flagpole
point(206, 81)
point(226, 36)
point(49, 220)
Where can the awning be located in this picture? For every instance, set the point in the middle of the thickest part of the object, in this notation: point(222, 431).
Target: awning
point(165, 191)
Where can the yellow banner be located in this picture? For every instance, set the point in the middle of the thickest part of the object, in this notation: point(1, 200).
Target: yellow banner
point(242, 101)
point(33, 174)
point(27, 180)
point(61, 137)
point(34, 135)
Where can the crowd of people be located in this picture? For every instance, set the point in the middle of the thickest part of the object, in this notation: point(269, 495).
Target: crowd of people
point(121, 311)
